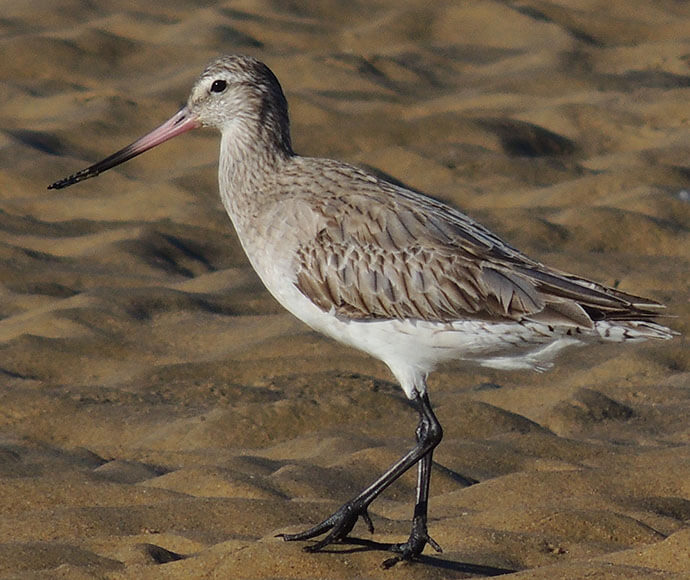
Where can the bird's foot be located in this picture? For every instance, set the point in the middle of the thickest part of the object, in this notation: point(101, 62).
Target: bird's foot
point(340, 525)
point(419, 537)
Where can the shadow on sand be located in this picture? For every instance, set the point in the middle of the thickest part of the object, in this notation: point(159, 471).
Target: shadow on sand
point(352, 545)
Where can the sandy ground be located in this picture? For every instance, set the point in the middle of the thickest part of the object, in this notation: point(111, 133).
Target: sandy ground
point(161, 417)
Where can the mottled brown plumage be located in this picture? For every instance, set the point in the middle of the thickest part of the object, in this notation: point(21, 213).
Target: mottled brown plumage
point(385, 252)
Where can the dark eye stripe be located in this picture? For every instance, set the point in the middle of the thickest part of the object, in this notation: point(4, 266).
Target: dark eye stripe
point(218, 86)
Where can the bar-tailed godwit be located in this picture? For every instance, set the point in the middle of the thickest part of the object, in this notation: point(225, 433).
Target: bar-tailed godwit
point(401, 276)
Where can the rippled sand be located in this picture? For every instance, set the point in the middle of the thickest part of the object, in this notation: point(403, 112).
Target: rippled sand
point(162, 417)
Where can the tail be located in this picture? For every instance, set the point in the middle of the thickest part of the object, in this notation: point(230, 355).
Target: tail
point(633, 330)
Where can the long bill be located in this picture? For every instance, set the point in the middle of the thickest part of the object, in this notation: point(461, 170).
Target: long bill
point(179, 123)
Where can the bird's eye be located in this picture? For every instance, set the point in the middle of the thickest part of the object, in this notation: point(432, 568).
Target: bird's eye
point(218, 86)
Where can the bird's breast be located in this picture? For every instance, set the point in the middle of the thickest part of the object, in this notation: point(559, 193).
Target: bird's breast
point(271, 235)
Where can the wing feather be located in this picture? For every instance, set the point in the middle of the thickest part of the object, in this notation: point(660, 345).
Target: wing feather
point(384, 252)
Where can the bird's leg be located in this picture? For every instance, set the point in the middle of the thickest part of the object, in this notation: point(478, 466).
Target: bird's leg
point(340, 524)
point(419, 535)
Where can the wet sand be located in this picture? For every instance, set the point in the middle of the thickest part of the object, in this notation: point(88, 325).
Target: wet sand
point(162, 417)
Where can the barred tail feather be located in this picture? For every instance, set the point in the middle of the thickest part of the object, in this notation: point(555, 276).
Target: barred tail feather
point(633, 330)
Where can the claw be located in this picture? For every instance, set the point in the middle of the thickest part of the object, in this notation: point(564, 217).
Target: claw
point(434, 544)
point(367, 520)
point(340, 525)
point(419, 537)
point(390, 562)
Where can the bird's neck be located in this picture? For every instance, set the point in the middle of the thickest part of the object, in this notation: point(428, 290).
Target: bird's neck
point(248, 160)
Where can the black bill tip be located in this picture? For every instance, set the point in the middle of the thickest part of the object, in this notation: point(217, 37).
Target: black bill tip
point(74, 178)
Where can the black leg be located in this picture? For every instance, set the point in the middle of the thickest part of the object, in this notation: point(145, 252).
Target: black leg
point(340, 524)
point(419, 535)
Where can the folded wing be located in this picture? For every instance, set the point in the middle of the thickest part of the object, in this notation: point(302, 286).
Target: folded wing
point(410, 257)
